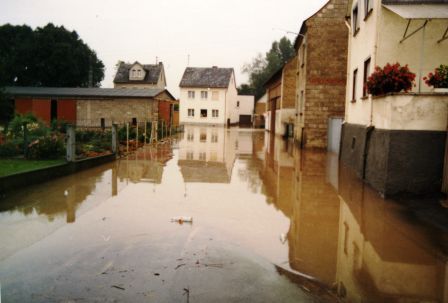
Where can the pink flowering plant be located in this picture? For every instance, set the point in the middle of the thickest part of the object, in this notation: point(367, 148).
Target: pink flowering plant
point(438, 79)
point(390, 79)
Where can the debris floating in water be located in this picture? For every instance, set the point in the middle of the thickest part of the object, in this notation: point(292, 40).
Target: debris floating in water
point(182, 219)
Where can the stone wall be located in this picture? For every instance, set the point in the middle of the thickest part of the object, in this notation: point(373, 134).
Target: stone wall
point(289, 84)
point(90, 112)
point(326, 68)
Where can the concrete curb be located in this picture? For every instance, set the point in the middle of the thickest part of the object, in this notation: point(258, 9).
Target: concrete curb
point(11, 182)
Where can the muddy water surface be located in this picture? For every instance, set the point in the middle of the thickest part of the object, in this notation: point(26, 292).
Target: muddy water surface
point(270, 224)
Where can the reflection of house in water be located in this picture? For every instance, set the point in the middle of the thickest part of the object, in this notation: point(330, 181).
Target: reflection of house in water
point(59, 198)
point(313, 232)
point(207, 154)
point(384, 255)
point(146, 164)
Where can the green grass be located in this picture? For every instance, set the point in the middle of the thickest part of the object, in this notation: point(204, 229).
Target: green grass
point(13, 166)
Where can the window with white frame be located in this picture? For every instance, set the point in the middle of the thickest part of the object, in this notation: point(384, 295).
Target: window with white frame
point(204, 94)
point(214, 138)
point(355, 19)
point(215, 95)
point(191, 94)
point(215, 113)
point(191, 112)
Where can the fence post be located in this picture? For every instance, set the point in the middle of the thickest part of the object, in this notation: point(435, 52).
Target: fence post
point(71, 143)
point(114, 139)
point(127, 137)
point(144, 137)
point(136, 136)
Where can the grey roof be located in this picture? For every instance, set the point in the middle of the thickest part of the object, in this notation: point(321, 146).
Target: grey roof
point(415, 1)
point(213, 77)
point(84, 92)
point(152, 73)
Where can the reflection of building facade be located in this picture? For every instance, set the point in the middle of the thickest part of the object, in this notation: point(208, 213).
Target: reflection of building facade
point(382, 256)
point(207, 154)
point(145, 165)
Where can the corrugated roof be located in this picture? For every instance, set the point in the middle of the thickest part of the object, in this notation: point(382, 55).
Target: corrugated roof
point(152, 73)
point(84, 92)
point(213, 77)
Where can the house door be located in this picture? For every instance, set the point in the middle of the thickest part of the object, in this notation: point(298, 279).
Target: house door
point(54, 110)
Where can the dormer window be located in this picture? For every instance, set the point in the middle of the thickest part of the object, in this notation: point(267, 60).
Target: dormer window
point(136, 73)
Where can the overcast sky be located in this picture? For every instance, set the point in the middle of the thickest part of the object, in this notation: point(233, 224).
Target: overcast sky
point(213, 32)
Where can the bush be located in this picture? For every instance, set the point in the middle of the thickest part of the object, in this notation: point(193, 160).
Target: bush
point(35, 127)
point(9, 149)
point(51, 147)
point(59, 126)
point(390, 79)
point(438, 79)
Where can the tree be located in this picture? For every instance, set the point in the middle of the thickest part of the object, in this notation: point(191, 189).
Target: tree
point(245, 89)
point(47, 56)
point(6, 108)
point(262, 68)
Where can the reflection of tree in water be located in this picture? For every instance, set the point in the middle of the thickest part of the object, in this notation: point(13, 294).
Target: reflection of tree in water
point(57, 197)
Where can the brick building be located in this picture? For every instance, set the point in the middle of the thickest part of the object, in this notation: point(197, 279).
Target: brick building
point(280, 89)
point(321, 73)
point(90, 106)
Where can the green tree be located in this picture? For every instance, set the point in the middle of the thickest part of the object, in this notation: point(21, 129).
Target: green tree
point(47, 56)
point(263, 67)
point(6, 108)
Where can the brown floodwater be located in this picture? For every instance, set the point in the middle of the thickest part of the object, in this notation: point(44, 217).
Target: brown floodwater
point(271, 223)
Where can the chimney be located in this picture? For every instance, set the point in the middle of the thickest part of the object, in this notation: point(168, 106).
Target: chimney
point(214, 67)
point(160, 63)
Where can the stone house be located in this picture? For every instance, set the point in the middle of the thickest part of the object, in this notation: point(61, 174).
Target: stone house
point(321, 68)
point(396, 142)
point(280, 89)
point(90, 106)
point(138, 75)
point(208, 96)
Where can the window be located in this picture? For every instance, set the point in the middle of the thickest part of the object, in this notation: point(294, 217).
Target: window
point(190, 155)
point(204, 94)
point(191, 94)
point(355, 20)
point(202, 156)
point(203, 137)
point(54, 110)
point(365, 77)
point(139, 73)
point(190, 137)
point(191, 112)
point(103, 123)
point(203, 113)
point(215, 95)
point(214, 138)
point(355, 75)
point(215, 113)
point(176, 107)
point(134, 121)
point(213, 156)
point(367, 7)
point(237, 103)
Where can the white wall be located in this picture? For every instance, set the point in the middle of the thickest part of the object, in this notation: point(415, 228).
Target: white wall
point(246, 105)
point(197, 104)
point(379, 38)
point(232, 96)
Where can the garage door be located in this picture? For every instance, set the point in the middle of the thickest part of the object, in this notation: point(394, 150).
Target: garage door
point(246, 120)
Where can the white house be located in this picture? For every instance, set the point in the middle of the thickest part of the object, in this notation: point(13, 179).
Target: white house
point(137, 75)
point(245, 108)
point(396, 142)
point(208, 96)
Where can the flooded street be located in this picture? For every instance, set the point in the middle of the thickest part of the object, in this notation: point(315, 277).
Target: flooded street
point(270, 224)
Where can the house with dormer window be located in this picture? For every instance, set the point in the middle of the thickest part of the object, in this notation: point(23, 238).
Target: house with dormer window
point(137, 75)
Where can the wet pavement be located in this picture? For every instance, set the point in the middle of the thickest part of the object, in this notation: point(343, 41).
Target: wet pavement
point(270, 224)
